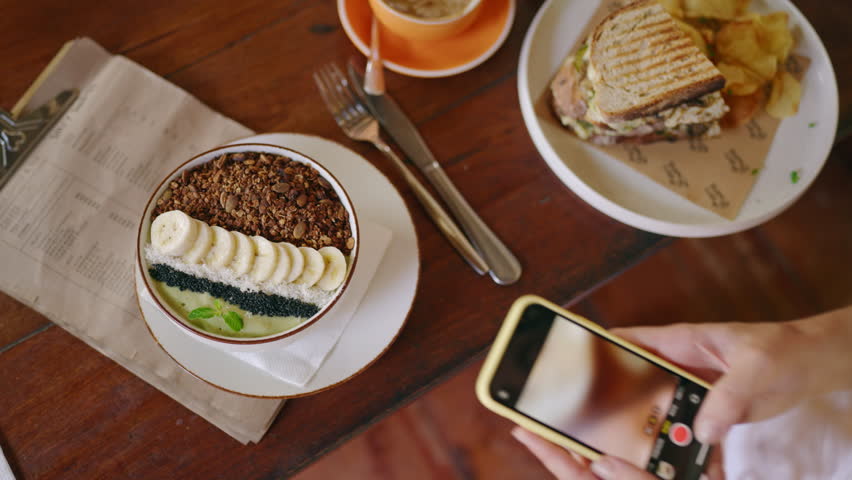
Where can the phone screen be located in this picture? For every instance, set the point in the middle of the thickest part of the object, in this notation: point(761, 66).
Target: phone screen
point(574, 381)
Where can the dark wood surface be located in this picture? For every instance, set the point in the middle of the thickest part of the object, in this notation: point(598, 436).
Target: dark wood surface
point(794, 266)
point(67, 411)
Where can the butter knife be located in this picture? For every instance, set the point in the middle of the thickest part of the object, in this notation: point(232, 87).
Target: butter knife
point(505, 267)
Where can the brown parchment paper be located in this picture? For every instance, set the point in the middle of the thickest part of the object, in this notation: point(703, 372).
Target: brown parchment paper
point(717, 173)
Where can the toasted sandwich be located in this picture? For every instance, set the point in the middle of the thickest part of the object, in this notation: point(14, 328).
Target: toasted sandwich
point(639, 78)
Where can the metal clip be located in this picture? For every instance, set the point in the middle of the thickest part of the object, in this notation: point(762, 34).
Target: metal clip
point(19, 136)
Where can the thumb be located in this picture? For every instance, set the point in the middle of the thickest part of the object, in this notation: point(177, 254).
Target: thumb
point(612, 468)
point(726, 405)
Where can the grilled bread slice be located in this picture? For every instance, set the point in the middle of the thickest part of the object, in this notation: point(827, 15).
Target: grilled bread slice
point(641, 63)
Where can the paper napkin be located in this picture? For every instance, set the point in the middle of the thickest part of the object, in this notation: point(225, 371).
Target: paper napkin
point(297, 359)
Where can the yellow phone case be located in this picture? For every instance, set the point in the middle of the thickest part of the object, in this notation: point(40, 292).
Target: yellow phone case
point(498, 349)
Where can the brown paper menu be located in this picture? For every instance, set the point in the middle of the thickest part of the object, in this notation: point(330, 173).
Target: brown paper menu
point(68, 217)
point(718, 173)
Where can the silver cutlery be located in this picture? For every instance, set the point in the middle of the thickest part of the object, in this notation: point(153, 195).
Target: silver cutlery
point(358, 124)
point(374, 78)
point(504, 267)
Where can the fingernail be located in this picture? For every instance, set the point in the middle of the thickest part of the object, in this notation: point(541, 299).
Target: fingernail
point(708, 431)
point(603, 468)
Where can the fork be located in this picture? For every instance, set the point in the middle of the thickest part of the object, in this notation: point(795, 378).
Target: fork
point(359, 124)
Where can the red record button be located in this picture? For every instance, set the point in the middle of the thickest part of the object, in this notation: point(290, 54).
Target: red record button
point(680, 435)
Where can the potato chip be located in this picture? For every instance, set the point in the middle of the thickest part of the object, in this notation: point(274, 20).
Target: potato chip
point(739, 43)
point(742, 108)
point(673, 7)
point(785, 97)
point(720, 9)
point(750, 50)
point(695, 35)
point(775, 36)
point(739, 80)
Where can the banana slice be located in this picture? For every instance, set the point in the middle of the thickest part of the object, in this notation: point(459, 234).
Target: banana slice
point(224, 247)
point(243, 260)
point(266, 260)
point(203, 244)
point(282, 270)
point(335, 268)
point(297, 261)
point(173, 233)
point(314, 267)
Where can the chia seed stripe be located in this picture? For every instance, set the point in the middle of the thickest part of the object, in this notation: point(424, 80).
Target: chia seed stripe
point(258, 303)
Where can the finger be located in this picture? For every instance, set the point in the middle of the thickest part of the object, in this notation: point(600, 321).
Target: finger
point(726, 404)
point(583, 461)
point(612, 468)
point(690, 346)
point(556, 459)
point(715, 467)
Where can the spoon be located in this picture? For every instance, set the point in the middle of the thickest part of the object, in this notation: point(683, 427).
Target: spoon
point(374, 76)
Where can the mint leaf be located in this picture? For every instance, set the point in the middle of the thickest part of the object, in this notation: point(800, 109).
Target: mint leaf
point(795, 177)
point(218, 305)
point(234, 320)
point(202, 312)
point(812, 125)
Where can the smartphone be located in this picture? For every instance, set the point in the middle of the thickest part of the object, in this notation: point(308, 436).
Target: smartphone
point(569, 380)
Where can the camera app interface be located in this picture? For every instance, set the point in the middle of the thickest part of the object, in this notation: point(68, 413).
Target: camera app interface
point(602, 395)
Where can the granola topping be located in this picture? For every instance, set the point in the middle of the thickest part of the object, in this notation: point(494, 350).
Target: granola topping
point(262, 194)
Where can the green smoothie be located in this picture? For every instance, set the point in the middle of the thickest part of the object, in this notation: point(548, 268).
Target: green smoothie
point(185, 301)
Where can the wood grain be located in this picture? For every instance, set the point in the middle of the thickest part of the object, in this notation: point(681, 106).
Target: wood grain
point(458, 438)
point(792, 267)
point(832, 26)
point(17, 322)
point(67, 411)
point(813, 238)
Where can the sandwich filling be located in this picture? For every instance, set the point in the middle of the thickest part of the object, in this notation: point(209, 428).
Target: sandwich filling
point(574, 101)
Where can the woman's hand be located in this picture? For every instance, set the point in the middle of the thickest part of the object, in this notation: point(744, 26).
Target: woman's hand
point(566, 465)
point(757, 370)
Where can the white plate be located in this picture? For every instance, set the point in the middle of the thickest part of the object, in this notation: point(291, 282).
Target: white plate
point(374, 326)
point(630, 197)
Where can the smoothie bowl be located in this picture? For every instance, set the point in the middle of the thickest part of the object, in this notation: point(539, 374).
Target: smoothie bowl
point(247, 244)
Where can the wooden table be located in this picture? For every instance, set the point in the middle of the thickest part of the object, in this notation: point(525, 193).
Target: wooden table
point(66, 411)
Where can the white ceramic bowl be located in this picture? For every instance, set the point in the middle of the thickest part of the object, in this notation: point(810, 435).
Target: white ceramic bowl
point(143, 239)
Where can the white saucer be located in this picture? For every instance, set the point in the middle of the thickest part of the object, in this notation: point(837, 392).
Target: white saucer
point(380, 317)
